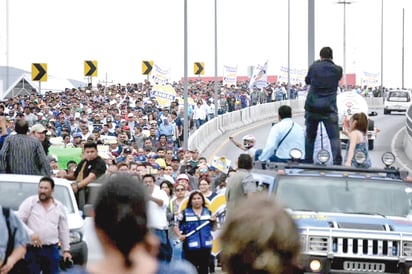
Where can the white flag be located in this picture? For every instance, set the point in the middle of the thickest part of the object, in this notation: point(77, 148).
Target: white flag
point(259, 76)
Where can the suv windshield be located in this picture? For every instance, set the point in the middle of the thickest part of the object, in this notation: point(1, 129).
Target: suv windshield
point(345, 195)
point(12, 194)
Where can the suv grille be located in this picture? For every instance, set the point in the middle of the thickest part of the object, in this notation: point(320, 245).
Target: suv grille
point(365, 247)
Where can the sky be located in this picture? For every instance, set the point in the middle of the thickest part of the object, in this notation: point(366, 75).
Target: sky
point(121, 34)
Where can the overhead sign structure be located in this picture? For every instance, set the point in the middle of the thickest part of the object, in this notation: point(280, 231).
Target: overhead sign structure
point(39, 72)
point(147, 67)
point(90, 68)
point(199, 68)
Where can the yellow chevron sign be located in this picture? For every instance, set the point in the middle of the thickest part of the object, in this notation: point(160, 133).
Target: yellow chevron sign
point(90, 68)
point(39, 72)
point(147, 67)
point(199, 68)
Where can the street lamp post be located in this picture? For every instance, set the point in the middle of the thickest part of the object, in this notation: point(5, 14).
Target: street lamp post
point(381, 88)
point(215, 97)
point(288, 91)
point(344, 2)
point(185, 91)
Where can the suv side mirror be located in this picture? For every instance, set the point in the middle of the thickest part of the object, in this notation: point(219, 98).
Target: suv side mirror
point(373, 113)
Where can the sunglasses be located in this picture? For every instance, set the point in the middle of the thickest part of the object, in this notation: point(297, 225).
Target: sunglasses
point(179, 189)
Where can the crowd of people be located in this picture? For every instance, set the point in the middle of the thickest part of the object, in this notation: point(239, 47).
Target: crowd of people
point(126, 138)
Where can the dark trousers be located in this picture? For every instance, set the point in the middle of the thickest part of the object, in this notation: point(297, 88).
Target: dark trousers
point(330, 121)
point(45, 259)
point(199, 258)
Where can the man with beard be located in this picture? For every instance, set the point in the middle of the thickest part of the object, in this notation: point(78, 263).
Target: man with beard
point(39, 131)
point(47, 225)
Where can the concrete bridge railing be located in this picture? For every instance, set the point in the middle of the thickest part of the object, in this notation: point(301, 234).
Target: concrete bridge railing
point(205, 136)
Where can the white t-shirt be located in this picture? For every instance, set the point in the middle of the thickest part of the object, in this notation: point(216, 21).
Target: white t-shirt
point(156, 215)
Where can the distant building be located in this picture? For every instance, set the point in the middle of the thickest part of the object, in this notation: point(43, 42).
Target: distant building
point(14, 82)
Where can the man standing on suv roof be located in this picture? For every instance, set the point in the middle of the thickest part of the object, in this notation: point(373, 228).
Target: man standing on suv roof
point(320, 106)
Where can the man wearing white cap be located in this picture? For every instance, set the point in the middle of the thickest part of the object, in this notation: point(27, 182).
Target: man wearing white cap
point(39, 132)
point(131, 122)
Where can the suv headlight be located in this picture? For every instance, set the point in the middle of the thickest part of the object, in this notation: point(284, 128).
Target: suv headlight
point(295, 154)
point(323, 156)
point(75, 236)
point(388, 158)
point(360, 157)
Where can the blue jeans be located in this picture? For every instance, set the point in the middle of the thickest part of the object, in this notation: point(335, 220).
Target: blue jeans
point(45, 259)
point(165, 252)
point(177, 247)
point(330, 121)
point(199, 122)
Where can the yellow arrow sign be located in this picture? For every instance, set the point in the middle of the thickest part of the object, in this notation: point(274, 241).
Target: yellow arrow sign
point(39, 72)
point(199, 68)
point(90, 68)
point(147, 67)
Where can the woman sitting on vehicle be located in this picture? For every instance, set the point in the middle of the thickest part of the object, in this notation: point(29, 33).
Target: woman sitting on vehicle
point(358, 141)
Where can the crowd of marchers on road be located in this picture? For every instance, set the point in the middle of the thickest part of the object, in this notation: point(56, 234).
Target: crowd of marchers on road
point(142, 145)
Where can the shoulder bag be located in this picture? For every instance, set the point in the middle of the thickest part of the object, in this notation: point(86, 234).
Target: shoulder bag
point(284, 137)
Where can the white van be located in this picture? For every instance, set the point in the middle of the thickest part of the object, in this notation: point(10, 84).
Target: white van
point(397, 100)
point(14, 188)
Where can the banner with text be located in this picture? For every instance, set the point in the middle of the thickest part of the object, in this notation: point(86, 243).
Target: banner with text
point(370, 79)
point(297, 76)
point(259, 76)
point(160, 76)
point(164, 94)
point(229, 76)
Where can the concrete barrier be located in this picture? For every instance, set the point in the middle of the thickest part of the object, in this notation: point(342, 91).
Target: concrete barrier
point(210, 131)
point(374, 102)
point(407, 142)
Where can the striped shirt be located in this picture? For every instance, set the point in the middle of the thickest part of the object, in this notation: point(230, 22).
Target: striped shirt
point(23, 154)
